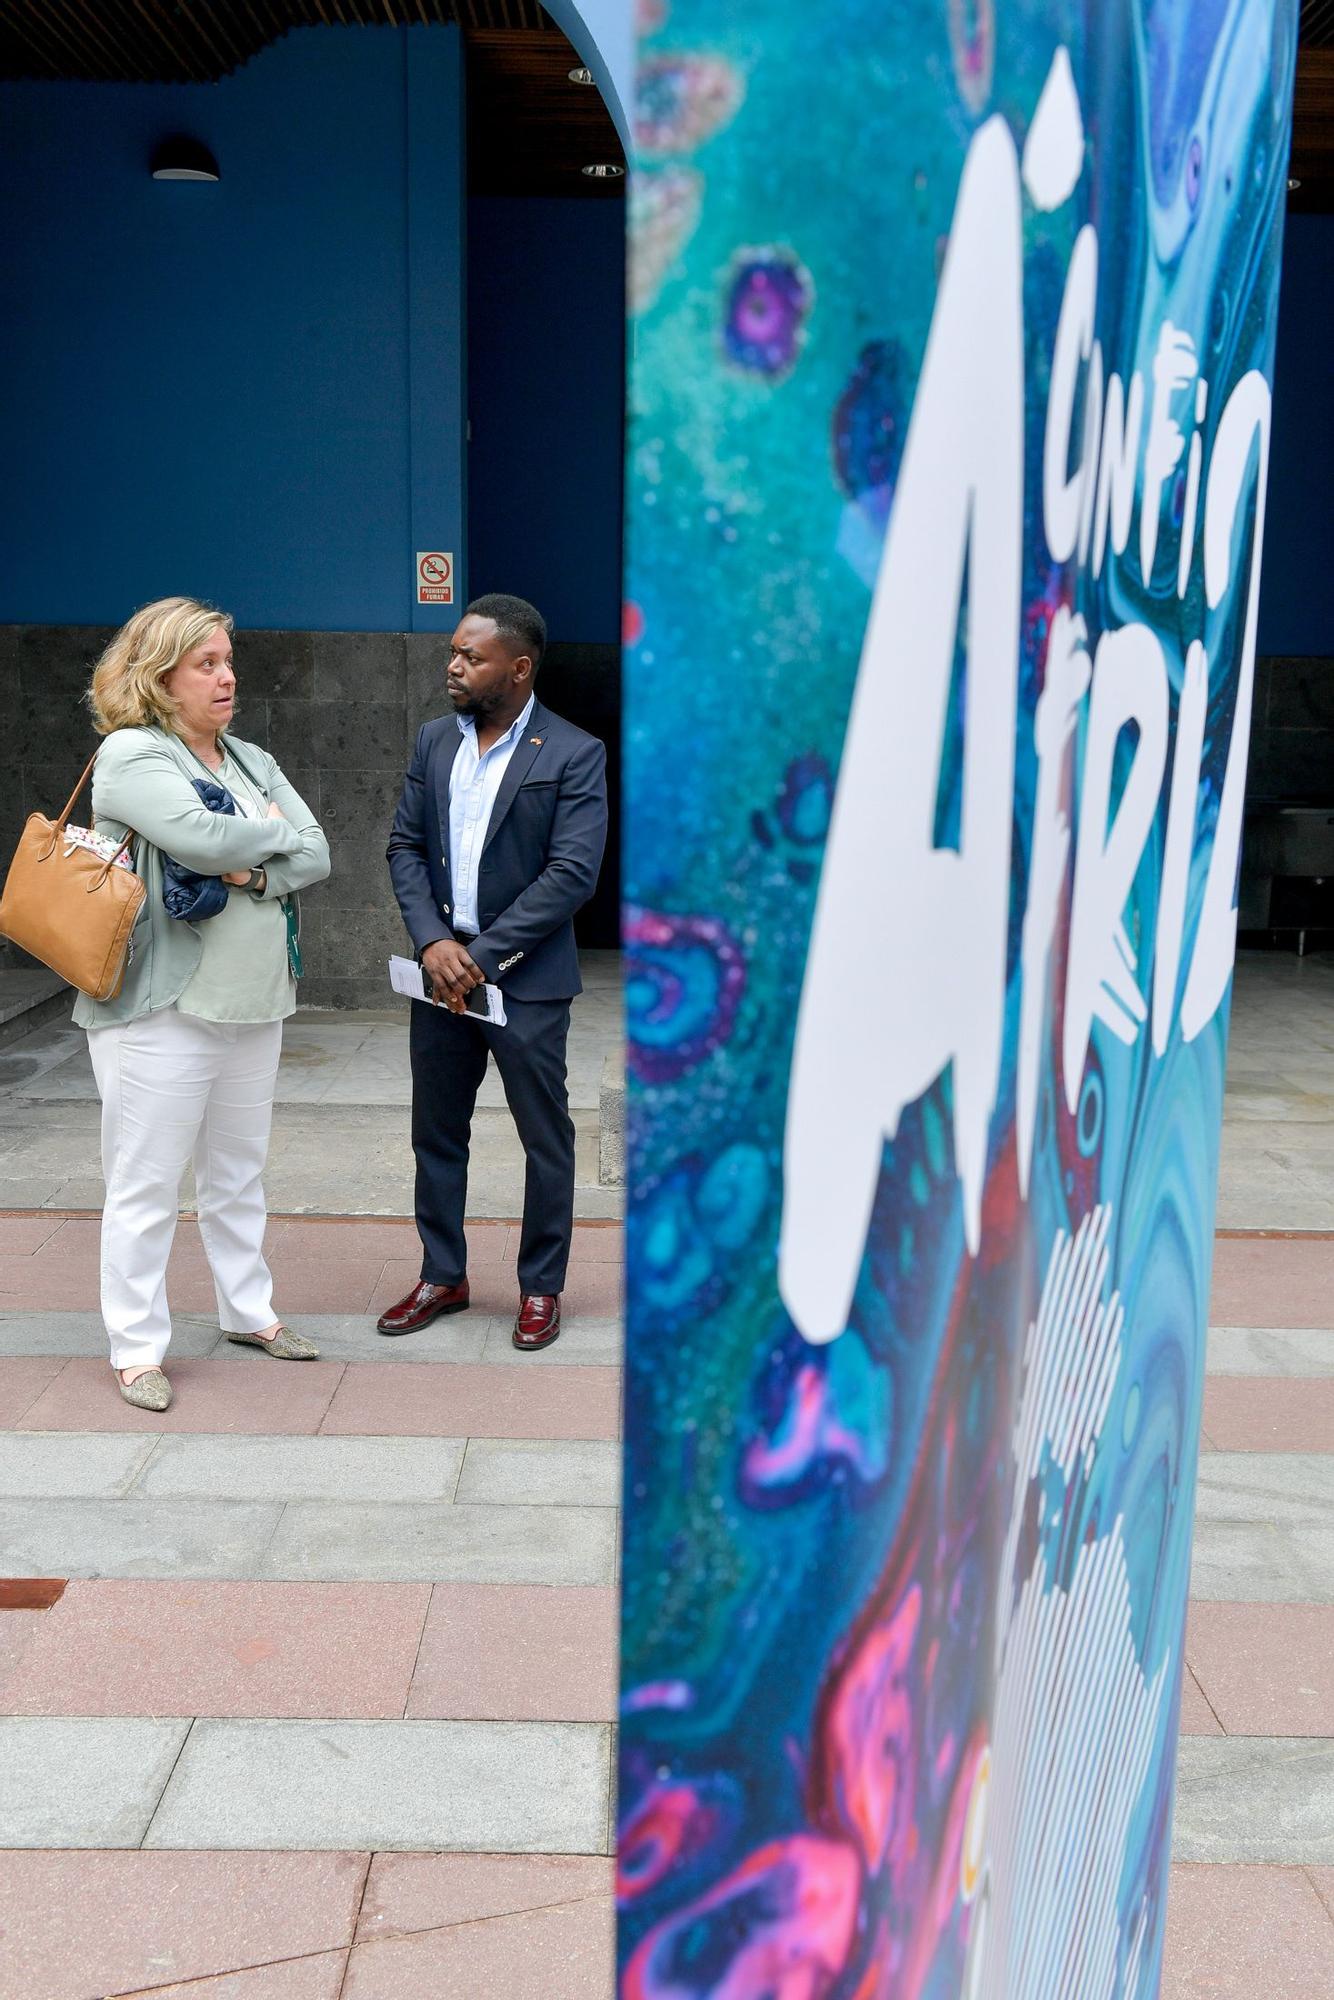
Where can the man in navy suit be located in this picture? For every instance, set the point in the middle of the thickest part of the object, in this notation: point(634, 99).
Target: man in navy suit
point(497, 842)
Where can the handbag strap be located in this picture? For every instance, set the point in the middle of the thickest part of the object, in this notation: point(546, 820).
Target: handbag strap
point(74, 795)
point(63, 820)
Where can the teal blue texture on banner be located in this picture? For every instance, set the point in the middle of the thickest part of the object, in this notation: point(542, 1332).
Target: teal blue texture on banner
point(950, 395)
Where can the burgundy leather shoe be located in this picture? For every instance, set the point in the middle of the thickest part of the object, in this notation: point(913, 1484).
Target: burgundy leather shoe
point(423, 1304)
point(538, 1323)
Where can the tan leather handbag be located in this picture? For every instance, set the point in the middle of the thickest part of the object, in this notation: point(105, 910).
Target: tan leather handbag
point(69, 906)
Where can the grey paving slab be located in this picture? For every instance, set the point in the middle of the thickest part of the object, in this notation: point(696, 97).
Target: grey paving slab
point(352, 1337)
point(583, 1343)
point(1264, 1528)
point(1289, 1488)
point(1253, 1798)
point(342, 1469)
point(1260, 1350)
point(520, 1788)
point(1262, 1563)
point(37, 1465)
point(174, 1539)
point(512, 1472)
point(334, 1544)
point(79, 1782)
point(473, 1336)
point(341, 1138)
point(82, 1333)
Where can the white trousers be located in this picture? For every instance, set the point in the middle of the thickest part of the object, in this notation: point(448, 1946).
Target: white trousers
point(175, 1088)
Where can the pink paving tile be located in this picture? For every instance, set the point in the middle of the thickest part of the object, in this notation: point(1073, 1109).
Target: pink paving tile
point(592, 1243)
point(319, 1978)
point(262, 1649)
point(210, 1913)
point(1323, 1882)
point(1266, 1669)
point(22, 1380)
point(1197, 1718)
point(595, 1244)
point(306, 1279)
point(378, 1240)
point(18, 1629)
point(1273, 1281)
point(1246, 1933)
point(20, 1235)
point(561, 1953)
point(320, 1285)
point(423, 1892)
point(517, 1653)
point(85, 1232)
point(71, 1289)
point(264, 1398)
point(594, 1290)
point(464, 1399)
point(1269, 1412)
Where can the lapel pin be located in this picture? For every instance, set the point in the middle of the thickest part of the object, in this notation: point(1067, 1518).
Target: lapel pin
point(536, 740)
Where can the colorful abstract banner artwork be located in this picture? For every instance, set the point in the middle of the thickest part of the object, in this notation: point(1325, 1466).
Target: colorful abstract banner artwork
point(950, 404)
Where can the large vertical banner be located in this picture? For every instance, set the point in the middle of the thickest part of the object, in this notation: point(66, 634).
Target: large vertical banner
point(950, 407)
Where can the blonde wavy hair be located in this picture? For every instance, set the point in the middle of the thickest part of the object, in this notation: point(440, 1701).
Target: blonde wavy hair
point(128, 689)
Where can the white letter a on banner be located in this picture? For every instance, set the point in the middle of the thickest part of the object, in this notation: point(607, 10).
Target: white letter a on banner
point(906, 971)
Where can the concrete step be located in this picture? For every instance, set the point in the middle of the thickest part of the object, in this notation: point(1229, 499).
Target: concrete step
point(31, 999)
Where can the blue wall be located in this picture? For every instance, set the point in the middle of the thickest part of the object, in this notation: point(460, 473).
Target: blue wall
point(250, 391)
point(1297, 595)
point(546, 361)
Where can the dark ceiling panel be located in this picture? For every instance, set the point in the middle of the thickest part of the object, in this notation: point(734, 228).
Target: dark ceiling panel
point(1317, 24)
point(1311, 164)
point(197, 41)
point(530, 129)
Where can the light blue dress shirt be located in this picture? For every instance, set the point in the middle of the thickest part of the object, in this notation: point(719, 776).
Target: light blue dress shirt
point(473, 784)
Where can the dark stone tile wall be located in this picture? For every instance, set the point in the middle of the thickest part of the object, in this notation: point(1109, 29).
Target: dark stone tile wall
point(1291, 764)
point(46, 736)
point(340, 711)
point(1292, 732)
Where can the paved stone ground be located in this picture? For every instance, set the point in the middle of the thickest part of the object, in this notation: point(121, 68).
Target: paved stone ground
point(341, 1137)
point(1277, 1166)
point(317, 1701)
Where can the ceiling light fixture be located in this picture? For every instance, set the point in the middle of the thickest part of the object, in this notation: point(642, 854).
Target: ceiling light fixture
point(581, 75)
point(605, 170)
point(182, 159)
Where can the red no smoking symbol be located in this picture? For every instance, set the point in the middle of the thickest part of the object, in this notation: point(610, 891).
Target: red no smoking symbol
point(434, 569)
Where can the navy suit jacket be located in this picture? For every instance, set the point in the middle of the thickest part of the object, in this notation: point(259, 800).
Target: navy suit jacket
point(539, 863)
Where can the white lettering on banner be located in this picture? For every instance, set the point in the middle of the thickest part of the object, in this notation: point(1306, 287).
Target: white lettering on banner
point(1129, 686)
point(1245, 422)
point(1063, 690)
point(959, 510)
point(1173, 370)
point(959, 502)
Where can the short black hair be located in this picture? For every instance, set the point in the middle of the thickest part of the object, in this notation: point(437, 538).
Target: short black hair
point(516, 620)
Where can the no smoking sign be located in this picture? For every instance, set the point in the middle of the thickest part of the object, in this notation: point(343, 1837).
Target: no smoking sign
point(435, 577)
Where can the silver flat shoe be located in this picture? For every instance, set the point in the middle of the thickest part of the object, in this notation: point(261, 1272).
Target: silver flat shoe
point(151, 1391)
point(285, 1345)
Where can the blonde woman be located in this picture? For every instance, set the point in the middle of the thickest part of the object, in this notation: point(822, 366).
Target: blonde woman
point(186, 1055)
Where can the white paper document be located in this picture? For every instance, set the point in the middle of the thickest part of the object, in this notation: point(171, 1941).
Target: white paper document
point(487, 1003)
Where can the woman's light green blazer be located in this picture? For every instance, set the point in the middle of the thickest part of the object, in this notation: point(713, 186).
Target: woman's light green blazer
point(143, 779)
